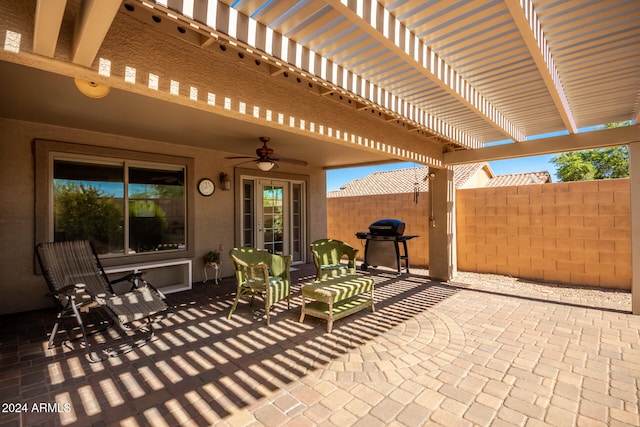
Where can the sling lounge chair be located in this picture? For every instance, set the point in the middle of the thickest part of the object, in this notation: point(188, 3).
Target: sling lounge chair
point(77, 282)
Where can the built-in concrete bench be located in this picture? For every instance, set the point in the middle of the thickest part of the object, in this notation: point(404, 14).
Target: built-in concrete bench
point(337, 297)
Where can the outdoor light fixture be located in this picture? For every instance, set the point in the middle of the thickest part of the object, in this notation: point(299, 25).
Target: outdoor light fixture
point(225, 182)
point(92, 89)
point(265, 165)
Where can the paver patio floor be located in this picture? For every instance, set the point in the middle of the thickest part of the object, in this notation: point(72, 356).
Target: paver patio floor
point(430, 354)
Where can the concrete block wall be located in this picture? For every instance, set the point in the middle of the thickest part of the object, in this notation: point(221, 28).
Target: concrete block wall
point(347, 215)
point(577, 233)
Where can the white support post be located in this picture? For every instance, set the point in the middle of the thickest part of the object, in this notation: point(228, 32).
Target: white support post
point(634, 190)
point(442, 225)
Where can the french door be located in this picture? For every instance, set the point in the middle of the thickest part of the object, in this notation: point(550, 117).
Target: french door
point(272, 216)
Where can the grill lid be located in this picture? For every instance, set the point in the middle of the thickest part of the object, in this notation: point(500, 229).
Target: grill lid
point(387, 227)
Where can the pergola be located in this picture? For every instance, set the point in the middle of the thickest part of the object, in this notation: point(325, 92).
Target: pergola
point(440, 78)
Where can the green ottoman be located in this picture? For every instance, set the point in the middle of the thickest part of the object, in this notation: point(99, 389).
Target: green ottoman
point(336, 297)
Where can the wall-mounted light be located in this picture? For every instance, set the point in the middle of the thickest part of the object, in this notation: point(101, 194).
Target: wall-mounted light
point(225, 182)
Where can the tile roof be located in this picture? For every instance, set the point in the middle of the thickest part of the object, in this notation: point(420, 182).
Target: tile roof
point(403, 181)
point(406, 180)
point(529, 178)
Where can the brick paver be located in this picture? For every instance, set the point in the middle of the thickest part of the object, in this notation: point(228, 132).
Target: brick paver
point(431, 354)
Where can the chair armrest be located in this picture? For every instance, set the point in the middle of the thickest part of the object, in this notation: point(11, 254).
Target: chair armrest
point(257, 265)
point(129, 277)
point(251, 271)
point(280, 265)
point(67, 290)
point(351, 253)
point(133, 278)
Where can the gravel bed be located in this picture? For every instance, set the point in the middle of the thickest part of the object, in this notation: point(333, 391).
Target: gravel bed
point(589, 296)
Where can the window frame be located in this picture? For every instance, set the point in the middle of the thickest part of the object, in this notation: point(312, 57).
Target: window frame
point(46, 150)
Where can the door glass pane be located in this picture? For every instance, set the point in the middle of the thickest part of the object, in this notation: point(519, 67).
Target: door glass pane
point(157, 210)
point(273, 218)
point(247, 214)
point(296, 222)
point(89, 204)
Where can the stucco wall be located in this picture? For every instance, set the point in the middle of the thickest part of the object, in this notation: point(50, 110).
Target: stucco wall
point(23, 290)
point(576, 233)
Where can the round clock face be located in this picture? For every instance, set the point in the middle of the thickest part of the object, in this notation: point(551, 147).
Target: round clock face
point(206, 187)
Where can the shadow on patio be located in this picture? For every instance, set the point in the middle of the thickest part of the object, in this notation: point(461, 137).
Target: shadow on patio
point(205, 368)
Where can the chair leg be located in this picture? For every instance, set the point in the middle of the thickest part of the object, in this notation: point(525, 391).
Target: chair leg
point(235, 304)
point(302, 312)
point(54, 331)
point(267, 302)
point(84, 333)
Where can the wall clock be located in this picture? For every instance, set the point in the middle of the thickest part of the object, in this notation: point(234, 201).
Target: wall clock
point(206, 187)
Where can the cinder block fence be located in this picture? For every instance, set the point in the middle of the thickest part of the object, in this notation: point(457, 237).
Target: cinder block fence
point(577, 233)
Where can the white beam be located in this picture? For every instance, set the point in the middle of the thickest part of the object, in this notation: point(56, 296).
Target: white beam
point(436, 69)
point(443, 263)
point(93, 22)
point(48, 21)
point(559, 144)
point(328, 71)
point(531, 31)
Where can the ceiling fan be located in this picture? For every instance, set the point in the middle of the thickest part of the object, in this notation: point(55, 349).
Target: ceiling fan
point(265, 161)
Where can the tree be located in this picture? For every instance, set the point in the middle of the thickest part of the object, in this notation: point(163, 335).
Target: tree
point(600, 163)
point(85, 212)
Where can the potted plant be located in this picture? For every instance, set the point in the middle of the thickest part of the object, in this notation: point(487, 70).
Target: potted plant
point(212, 257)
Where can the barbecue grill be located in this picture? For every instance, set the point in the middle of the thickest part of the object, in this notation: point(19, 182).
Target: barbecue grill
point(382, 247)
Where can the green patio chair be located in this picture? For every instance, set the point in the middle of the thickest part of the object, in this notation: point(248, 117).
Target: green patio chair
point(328, 255)
point(261, 273)
point(77, 282)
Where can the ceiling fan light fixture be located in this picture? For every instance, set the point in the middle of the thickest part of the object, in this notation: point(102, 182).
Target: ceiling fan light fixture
point(265, 165)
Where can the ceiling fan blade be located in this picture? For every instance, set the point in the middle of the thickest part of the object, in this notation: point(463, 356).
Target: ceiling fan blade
point(242, 163)
point(294, 161)
point(240, 157)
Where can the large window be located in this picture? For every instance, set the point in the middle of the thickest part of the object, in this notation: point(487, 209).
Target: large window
point(121, 207)
point(128, 206)
point(88, 204)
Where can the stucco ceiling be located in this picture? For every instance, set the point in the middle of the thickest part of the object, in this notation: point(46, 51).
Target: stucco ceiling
point(39, 96)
